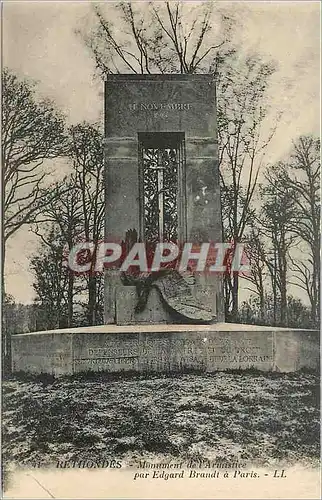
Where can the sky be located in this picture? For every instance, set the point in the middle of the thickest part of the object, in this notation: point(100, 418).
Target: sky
point(39, 41)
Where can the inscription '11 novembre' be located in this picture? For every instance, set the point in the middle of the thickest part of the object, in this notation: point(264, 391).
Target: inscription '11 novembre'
point(155, 106)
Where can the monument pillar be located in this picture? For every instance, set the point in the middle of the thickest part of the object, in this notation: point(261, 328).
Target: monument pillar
point(122, 205)
point(174, 115)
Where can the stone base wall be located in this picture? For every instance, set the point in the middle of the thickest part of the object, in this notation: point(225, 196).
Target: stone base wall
point(174, 348)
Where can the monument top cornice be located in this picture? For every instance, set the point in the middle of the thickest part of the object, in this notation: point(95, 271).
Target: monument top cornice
point(160, 76)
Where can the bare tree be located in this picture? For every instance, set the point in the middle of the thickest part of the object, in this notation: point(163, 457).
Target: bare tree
point(255, 250)
point(86, 153)
point(300, 175)
point(77, 212)
point(277, 219)
point(51, 306)
point(284, 240)
point(63, 212)
point(242, 109)
point(32, 132)
point(167, 37)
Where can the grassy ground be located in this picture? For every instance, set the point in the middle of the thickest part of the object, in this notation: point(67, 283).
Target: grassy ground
point(260, 418)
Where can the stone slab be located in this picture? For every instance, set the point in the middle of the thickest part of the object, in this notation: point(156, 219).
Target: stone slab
point(105, 353)
point(295, 350)
point(155, 312)
point(165, 348)
point(240, 350)
point(153, 103)
point(126, 300)
point(36, 353)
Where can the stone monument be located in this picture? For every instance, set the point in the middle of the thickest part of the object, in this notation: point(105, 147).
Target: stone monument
point(162, 185)
point(162, 180)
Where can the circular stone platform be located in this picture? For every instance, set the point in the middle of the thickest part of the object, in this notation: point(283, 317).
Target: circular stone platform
point(165, 348)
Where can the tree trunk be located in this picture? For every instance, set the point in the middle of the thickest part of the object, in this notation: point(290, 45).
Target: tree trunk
point(227, 295)
point(262, 304)
point(70, 297)
point(283, 282)
point(92, 287)
point(283, 307)
point(316, 285)
point(234, 313)
point(6, 336)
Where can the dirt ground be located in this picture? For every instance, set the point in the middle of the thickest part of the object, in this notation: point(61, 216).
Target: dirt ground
point(259, 418)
